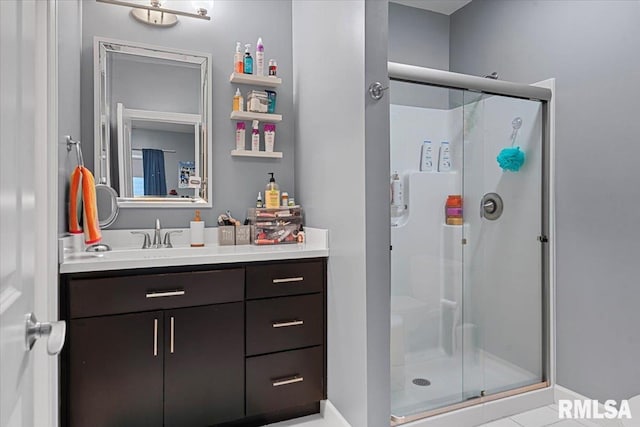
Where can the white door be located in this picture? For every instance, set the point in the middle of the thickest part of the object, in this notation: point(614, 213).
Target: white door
point(24, 203)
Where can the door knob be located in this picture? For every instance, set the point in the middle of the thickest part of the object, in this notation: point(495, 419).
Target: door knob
point(55, 331)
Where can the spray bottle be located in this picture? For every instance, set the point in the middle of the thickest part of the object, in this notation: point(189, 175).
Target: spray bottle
point(259, 58)
point(255, 137)
point(238, 63)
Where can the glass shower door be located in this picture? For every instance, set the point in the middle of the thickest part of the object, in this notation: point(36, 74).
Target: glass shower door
point(501, 330)
point(426, 255)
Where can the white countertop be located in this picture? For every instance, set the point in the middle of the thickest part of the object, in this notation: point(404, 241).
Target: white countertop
point(124, 256)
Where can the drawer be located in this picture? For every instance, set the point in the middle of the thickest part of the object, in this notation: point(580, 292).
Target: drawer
point(284, 323)
point(124, 294)
point(284, 380)
point(274, 280)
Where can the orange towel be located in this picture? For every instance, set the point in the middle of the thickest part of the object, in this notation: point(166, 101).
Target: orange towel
point(83, 190)
point(75, 200)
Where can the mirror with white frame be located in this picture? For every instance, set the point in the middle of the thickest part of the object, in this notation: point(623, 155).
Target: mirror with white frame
point(152, 124)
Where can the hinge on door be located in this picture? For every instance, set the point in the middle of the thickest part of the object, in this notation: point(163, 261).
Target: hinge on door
point(543, 239)
point(464, 241)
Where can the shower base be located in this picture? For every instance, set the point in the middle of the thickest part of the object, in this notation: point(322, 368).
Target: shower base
point(453, 379)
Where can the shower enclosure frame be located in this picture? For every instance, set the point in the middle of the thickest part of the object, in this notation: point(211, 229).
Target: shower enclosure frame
point(450, 80)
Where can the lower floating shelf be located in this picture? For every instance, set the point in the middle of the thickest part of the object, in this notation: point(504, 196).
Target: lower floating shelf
point(249, 153)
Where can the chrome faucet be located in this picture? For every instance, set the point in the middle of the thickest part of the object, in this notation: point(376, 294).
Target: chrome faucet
point(157, 238)
point(158, 242)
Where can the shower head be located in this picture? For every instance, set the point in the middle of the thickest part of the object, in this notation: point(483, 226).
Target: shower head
point(516, 123)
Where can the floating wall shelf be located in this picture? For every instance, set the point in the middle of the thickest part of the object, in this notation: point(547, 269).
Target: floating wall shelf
point(249, 153)
point(250, 79)
point(262, 117)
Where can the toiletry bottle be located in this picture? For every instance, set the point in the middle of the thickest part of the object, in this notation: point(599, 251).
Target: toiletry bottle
point(285, 199)
point(240, 135)
point(196, 231)
point(426, 157)
point(273, 68)
point(238, 62)
point(397, 198)
point(259, 203)
point(248, 60)
point(255, 137)
point(259, 58)
point(238, 101)
point(271, 101)
point(269, 137)
point(272, 193)
point(444, 162)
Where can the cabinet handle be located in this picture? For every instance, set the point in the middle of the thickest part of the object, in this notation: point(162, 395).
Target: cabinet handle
point(286, 324)
point(155, 337)
point(287, 381)
point(172, 334)
point(165, 294)
point(288, 280)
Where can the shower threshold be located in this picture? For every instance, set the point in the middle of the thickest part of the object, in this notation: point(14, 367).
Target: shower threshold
point(399, 420)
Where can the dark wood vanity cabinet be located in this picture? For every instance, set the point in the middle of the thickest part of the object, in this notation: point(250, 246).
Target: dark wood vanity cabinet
point(240, 346)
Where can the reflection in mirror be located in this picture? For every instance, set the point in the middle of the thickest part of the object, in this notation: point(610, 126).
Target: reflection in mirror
point(152, 124)
point(107, 204)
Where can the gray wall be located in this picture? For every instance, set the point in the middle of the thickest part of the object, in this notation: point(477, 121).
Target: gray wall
point(353, 137)
point(236, 181)
point(335, 136)
point(589, 48)
point(69, 28)
point(418, 37)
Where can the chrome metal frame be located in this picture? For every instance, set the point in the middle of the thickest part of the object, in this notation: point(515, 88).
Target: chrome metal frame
point(450, 80)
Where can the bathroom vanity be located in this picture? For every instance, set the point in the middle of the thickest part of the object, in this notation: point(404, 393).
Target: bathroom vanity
point(240, 340)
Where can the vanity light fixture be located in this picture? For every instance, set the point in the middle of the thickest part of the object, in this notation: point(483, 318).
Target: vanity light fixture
point(157, 13)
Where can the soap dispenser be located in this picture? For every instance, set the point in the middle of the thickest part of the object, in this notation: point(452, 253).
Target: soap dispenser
point(272, 193)
point(248, 60)
point(196, 231)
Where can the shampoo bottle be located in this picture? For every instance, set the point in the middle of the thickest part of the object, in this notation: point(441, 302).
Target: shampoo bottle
point(426, 157)
point(259, 58)
point(196, 231)
point(272, 193)
point(255, 137)
point(259, 203)
point(248, 60)
point(240, 134)
point(238, 101)
point(444, 162)
point(238, 62)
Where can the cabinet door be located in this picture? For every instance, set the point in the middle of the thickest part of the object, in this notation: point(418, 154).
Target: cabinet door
point(115, 375)
point(204, 365)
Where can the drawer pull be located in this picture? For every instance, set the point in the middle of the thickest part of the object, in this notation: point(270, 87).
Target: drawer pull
point(287, 324)
point(288, 381)
point(172, 334)
point(288, 280)
point(165, 294)
point(155, 337)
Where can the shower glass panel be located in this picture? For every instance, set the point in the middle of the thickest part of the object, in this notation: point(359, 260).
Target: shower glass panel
point(426, 255)
point(466, 283)
point(502, 269)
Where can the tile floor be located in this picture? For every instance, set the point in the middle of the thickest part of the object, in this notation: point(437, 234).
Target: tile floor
point(540, 417)
point(548, 416)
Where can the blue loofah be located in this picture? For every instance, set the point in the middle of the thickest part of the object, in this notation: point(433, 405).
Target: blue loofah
point(511, 159)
